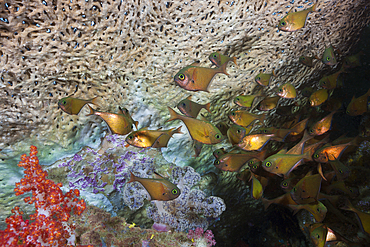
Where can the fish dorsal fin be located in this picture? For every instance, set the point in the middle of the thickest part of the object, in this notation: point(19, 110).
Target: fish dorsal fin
point(291, 10)
point(189, 97)
point(144, 128)
point(120, 111)
point(201, 117)
point(195, 64)
point(282, 151)
point(157, 176)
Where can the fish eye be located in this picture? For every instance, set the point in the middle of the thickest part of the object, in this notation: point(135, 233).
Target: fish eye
point(182, 77)
point(215, 55)
point(283, 23)
point(268, 164)
point(311, 130)
point(64, 102)
point(217, 162)
point(254, 166)
point(217, 136)
point(238, 131)
point(264, 131)
point(251, 162)
point(280, 90)
point(183, 104)
point(174, 191)
point(303, 58)
point(233, 113)
point(327, 58)
point(237, 98)
point(130, 137)
point(340, 171)
point(347, 112)
point(318, 236)
point(294, 189)
point(284, 184)
point(258, 78)
point(316, 156)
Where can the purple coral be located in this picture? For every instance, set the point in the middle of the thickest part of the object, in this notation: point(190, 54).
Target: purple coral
point(197, 236)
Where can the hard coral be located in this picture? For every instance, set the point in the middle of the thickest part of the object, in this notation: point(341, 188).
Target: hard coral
point(48, 225)
point(189, 211)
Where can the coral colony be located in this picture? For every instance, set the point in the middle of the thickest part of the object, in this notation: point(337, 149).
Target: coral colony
point(47, 226)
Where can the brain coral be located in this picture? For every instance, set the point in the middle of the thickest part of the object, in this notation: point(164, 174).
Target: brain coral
point(128, 51)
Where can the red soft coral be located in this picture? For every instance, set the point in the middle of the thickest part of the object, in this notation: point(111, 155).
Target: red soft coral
point(48, 225)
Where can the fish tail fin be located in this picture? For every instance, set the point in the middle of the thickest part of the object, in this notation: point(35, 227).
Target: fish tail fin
point(208, 106)
point(173, 114)
point(92, 111)
point(234, 60)
point(136, 123)
point(132, 178)
point(222, 69)
point(266, 203)
point(95, 101)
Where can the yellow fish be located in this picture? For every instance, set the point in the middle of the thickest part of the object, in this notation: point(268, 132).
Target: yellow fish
point(144, 138)
point(218, 59)
point(200, 130)
point(328, 56)
point(246, 100)
point(264, 79)
point(330, 81)
point(236, 133)
point(318, 233)
point(125, 112)
point(232, 162)
point(307, 189)
point(319, 97)
point(287, 91)
point(322, 126)
point(191, 108)
point(244, 118)
point(256, 141)
point(73, 106)
point(341, 171)
point(294, 21)
point(159, 189)
point(268, 103)
point(358, 106)
point(364, 218)
point(256, 187)
point(117, 123)
point(195, 78)
point(283, 164)
point(317, 209)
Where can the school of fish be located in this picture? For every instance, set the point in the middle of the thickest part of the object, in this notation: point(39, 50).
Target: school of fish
point(298, 159)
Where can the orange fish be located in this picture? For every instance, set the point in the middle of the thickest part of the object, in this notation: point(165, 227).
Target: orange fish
point(159, 189)
point(287, 91)
point(218, 59)
point(236, 133)
point(125, 112)
point(73, 106)
point(280, 133)
point(328, 152)
point(117, 123)
point(256, 141)
point(358, 106)
point(232, 162)
point(317, 209)
point(268, 103)
point(244, 118)
point(330, 81)
point(197, 148)
point(307, 189)
point(308, 61)
point(219, 152)
point(191, 108)
point(195, 78)
point(319, 97)
point(322, 126)
point(200, 130)
point(144, 138)
point(264, 79)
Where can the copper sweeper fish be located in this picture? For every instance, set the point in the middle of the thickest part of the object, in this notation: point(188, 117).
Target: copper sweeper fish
point(331, 81)
point(307, 189)
point(294, 21)
point(199, 130)
point(191, 108)
point(264, 79)
point(322, 126)
point(256, 141)
point(236, 133)
point(246, 100)
point(144, 138)
point(318, 97)
point(358, 106)
point(317, 209)
point(268, 103)
point(125, 112)
point(73, 106)
point(218, 59)
point(287, 91)
point(117, 123)
point(244, 118)
point(328, 57)
point(233, 162)
point(159, 188)
point(308, 61)
point(195, 78)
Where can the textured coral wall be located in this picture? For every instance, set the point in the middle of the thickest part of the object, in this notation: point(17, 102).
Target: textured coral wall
point(128, 52)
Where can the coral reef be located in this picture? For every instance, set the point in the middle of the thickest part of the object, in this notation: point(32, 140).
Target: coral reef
point(48, 225)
